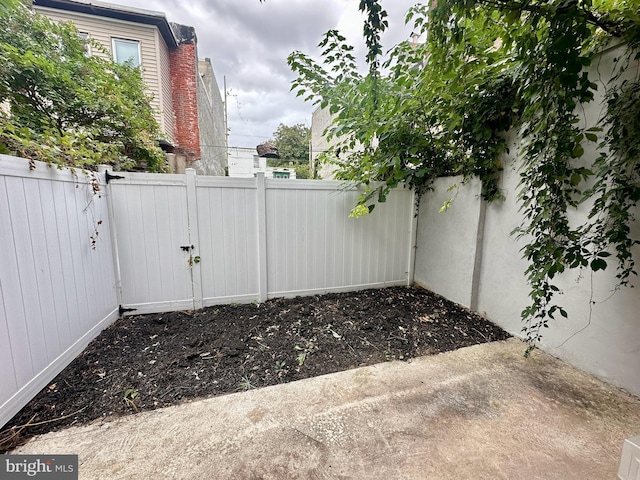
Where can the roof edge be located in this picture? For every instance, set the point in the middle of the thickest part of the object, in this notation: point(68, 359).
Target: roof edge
point(118, 12)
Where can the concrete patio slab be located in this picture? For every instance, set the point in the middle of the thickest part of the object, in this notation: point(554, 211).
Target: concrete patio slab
point(482, 412)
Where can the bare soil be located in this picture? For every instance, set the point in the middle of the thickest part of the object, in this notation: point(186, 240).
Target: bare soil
point(146, 362)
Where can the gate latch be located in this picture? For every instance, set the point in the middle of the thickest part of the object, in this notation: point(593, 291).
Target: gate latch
point(186, 248)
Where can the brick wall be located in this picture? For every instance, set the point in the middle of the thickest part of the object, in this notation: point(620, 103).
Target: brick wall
point(185, 101)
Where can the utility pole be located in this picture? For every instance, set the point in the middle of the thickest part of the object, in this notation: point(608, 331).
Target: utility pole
point(226, 116)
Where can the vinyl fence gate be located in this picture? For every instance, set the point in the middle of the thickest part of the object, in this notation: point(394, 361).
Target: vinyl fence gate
point(186, 241)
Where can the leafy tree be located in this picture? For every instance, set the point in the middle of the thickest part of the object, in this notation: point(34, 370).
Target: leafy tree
point(69, 108)
point(303, 171)
point(292, 143)
point(488, 67)
point(6, 5)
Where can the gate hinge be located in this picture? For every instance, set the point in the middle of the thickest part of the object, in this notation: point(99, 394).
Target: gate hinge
point(108, 177)
point(122, 310)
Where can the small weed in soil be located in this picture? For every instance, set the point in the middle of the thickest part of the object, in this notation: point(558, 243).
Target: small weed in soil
point(146, 362)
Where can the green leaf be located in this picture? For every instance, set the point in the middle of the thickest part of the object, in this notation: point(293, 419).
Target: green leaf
point(578, 151)
point(591, 136)
point(575, 179)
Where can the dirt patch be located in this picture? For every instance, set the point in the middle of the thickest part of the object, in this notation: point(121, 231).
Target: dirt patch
point(151, 361)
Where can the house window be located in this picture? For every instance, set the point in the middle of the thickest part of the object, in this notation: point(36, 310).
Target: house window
point(84, 37)
point(126, 51)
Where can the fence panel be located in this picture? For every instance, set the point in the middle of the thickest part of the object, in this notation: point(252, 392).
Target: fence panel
point(252, 239)
point(57, 292)
point(314, 247)
point(151, 222)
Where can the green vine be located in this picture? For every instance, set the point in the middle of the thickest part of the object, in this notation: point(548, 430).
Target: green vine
point(446, 106)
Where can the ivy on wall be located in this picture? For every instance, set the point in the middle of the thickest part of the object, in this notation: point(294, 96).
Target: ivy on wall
point(444, 107)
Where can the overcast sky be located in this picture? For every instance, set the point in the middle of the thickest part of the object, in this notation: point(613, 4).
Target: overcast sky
point(248, 43)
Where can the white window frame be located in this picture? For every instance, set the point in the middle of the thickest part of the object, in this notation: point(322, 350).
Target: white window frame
point(85, 36)
point(126, 40)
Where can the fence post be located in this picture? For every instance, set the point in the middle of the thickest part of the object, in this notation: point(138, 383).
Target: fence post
point(413, 238)
point(262, 235)
point(102, 169)
point(194, 238)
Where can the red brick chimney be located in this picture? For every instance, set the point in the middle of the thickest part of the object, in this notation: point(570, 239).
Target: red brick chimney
point(183, 66)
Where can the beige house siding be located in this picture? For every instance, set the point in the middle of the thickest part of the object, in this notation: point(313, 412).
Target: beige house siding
point(164, 73)
point(104, 29)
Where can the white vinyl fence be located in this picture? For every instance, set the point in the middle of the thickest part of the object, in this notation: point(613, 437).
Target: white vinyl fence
point(186, 241)
point(57, 292)
point(170, 242)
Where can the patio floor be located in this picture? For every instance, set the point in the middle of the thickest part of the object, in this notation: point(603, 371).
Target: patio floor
point(481, 412)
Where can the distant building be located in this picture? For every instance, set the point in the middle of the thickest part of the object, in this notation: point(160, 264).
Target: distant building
point(320, 120)
point(245, 163)
point(185, 94)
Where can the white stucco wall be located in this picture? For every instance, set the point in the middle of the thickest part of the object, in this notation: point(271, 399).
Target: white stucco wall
point(609, 345)
point(602, 333)
point(602, 338)
point(448, 267)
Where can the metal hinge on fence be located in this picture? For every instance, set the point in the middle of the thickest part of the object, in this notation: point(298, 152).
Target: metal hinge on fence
point(122, 310)
point(108, 177)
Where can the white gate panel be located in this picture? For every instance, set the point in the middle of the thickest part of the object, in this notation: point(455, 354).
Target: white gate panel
point(228, 239)
point(151, 222)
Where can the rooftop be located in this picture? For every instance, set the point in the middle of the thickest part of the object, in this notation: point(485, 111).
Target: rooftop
point(119, 12)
